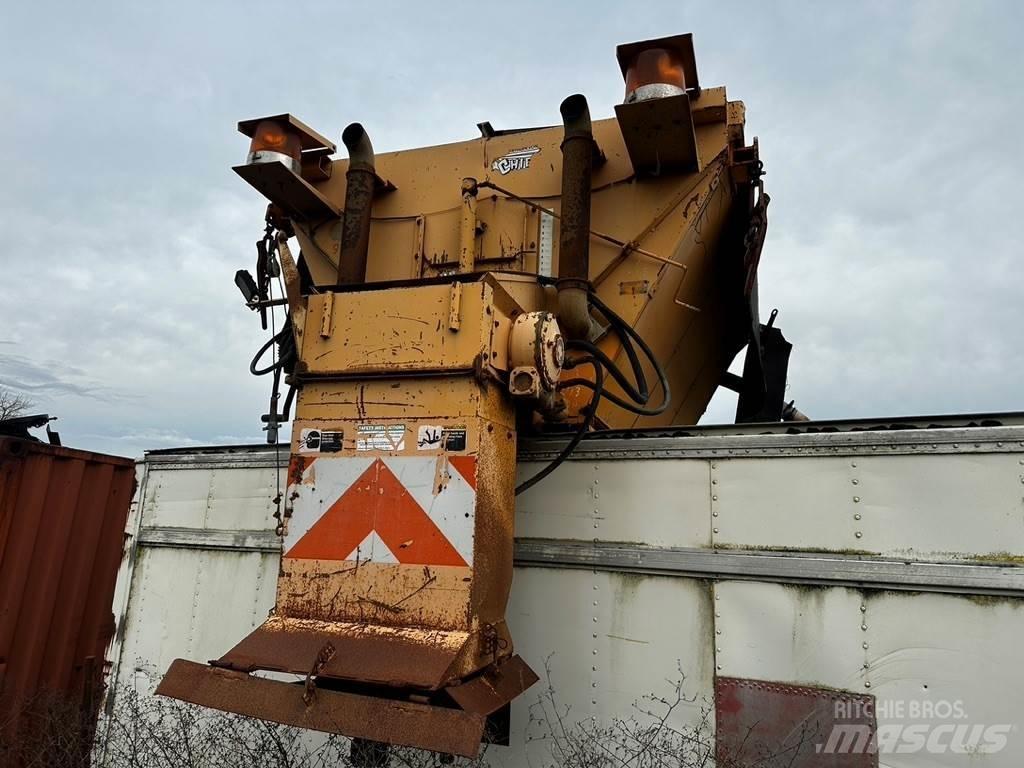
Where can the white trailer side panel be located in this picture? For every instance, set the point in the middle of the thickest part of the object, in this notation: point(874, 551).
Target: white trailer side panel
point(711, 556)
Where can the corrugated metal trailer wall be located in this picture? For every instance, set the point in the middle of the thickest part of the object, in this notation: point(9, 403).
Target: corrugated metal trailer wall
point(62, 520)
point(857, 583)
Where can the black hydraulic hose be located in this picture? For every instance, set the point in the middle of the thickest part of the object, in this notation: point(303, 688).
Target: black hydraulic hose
point(281, 361)
point(584, 427)
point(624, 330)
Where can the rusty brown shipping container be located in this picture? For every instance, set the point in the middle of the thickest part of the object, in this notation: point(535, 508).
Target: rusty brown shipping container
point(62, 520)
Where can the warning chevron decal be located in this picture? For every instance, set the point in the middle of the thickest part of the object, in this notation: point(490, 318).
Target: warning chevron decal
point(395, 509)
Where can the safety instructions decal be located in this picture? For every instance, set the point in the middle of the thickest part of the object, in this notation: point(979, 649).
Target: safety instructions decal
point(380, 437)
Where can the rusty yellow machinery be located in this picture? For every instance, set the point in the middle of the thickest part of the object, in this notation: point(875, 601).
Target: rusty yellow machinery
point(445, 301)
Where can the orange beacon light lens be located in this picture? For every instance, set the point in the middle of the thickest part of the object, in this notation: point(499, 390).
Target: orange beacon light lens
point(273, 142)
point(655, 73)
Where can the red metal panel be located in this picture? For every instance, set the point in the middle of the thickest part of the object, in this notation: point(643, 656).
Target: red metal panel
point(62, 520)
point(764, 723)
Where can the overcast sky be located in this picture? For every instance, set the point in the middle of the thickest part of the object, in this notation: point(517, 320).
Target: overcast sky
point(888, 132)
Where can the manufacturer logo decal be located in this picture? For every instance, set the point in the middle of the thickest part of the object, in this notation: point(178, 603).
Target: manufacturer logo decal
point(516, 160)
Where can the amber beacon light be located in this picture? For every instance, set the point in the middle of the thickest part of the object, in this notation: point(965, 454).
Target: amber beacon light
point(655, 69)
point(273, 142)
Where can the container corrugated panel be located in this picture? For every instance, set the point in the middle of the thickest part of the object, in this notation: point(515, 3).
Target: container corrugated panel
point(62, 520)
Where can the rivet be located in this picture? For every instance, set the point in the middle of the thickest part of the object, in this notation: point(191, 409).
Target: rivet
point(718, 649)
point(595, 603)
point(714, 530)
point(718, 597)
point(863, 609)
point(858, 534)
point(718, 631)
point(714, 482)
point(595, 525)
point(714, 498)
point(956, 445)
point(718, 615)
point(593, 685)
point(865, 665)
point(594, 702)
point(864, 627)
point(867, 684)
point(715, 513)
point(855, 481)
point(595, 619)
point(719, 667)
point(865, 646)
point(595, 651)
point(593, 669)
point(856, 499)
point(857, 516)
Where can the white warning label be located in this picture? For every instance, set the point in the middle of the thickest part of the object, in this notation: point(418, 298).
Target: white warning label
point(319, 441)
point(433, 436)
point(380, 437)
point(429, 437)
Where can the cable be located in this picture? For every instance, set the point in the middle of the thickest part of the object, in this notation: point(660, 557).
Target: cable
point(624, 330)
point(277, 362)
point(583, 428)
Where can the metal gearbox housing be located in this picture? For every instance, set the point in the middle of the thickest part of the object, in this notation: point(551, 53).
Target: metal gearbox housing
point(536, 354)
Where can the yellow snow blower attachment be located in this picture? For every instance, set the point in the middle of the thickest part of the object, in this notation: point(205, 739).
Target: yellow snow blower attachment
point(445, 301)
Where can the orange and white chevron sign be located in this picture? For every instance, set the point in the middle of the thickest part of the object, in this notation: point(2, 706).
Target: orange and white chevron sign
point(412, 510)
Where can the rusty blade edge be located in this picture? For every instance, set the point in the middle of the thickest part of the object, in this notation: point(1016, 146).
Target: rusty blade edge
point(496, 687)
point(408, 724)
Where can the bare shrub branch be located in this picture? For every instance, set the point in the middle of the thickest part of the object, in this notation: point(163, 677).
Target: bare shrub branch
point(13, 404)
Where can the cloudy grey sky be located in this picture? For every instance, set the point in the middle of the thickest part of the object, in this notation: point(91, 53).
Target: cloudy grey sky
point(887, 130)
